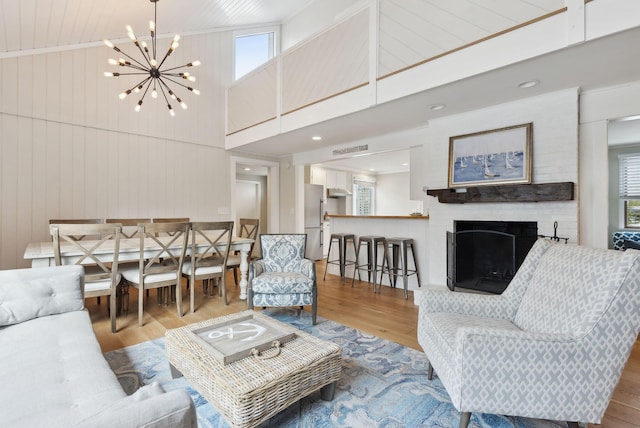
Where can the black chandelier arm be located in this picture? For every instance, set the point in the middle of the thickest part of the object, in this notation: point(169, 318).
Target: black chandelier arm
point(165, 97)
point(140, 83)
point(169, 52)
point(170, 91)
point(143, 55)
point(135, 67)
point(190, 64)
point(178, 83)
point(127, 74)
point(144, 94)
point(162, 90)
point(128, 56)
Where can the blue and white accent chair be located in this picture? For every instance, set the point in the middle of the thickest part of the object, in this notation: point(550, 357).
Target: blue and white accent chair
point(552, 346)
point(283, 276)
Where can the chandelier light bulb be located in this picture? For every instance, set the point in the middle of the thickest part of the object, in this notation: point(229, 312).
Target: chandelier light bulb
point(124, 94)
point(152, 26)
point(109, 74)
point(194, 63)
point(183, 105)
point(113, 61)
point(138, 106)
point(153, 62)
point(176, 38)
point(154, 93)
point(108, 43)
point(195, 91)
point(171, 112)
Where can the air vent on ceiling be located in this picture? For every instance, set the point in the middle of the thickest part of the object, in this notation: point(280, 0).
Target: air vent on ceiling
point(354, 149)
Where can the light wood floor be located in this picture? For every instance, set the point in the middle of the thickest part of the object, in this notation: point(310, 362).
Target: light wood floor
point(385, 315)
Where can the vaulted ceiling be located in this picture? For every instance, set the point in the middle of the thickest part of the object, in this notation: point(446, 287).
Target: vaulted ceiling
point(48, 24)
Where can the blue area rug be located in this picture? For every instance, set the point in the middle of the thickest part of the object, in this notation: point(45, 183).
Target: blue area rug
point(383, 384)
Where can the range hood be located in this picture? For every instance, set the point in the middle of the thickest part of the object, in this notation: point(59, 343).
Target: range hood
point(338, 193)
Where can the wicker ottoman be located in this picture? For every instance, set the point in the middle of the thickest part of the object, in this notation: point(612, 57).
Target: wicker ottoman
point(251, 390)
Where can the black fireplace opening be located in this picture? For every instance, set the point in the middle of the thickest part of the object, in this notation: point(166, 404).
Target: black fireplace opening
point(485, 255)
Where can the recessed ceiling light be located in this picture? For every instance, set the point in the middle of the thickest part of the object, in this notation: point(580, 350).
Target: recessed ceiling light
point(437, 107)
point(405, 164)
point(246, 168)
point(316, 138)
point(528, 84)
point(372, 169)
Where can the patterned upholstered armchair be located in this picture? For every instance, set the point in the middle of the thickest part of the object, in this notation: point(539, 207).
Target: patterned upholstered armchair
point(283, 277)
point(552, 346)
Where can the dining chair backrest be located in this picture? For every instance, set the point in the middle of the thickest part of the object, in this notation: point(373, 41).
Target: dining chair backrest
point(129, 225)
point(171, 220)
point(249, 228)
point(79, 221)
point(210, 243)
point(169, 249)
point(89, 252)
point(99, 256)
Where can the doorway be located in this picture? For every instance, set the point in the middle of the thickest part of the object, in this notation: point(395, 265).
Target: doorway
point(255, 192)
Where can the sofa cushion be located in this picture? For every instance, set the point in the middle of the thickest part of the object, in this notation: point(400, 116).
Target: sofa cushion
point(53, 372)
point(141, 410)
point(28, 293)
point(282, 283)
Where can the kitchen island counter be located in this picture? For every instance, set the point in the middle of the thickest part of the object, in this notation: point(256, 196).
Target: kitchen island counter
point(387, 226)
point(406, 217)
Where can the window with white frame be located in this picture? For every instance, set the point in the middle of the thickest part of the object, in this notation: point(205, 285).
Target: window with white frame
point(364, 196)
point(252, 49)
point(630, 189)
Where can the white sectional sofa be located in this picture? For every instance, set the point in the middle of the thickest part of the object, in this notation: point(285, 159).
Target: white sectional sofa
point(52, 370)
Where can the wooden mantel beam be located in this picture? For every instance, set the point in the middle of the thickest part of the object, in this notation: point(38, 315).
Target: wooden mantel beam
point(506, 193)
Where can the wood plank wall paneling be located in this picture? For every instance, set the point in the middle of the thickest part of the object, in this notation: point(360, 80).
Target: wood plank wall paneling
point(331, 63)
point(254, 99)
point(70, 148)
point(411, 32)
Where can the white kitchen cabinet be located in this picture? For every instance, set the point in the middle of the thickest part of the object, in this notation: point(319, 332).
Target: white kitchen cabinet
point(336, 179)
point(318, 176)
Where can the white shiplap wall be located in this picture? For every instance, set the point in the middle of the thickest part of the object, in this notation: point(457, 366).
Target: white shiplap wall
point(254, 100)
point(414, 31)
point(329, 64)
point(70, 148)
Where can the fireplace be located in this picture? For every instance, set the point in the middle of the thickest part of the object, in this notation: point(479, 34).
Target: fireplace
point(485, 255)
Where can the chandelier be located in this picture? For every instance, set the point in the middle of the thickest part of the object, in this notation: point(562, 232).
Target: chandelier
point(155, 78)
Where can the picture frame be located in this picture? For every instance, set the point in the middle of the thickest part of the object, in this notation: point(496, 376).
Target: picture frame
point(498, 156)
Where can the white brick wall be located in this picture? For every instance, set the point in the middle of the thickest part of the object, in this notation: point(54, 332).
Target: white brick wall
point(555, 159)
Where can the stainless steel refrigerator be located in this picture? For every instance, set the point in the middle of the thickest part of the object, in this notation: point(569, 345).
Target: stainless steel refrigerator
point(313, 212)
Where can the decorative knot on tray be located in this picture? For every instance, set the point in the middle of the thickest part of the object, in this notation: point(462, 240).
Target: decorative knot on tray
point(275, 344)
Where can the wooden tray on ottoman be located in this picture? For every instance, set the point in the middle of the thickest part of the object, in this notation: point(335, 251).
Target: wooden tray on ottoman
point(253, 389)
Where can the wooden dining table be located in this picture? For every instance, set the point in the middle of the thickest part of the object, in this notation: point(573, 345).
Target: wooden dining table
point(41, 254)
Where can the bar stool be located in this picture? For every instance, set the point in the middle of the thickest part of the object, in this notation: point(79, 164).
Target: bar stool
point(342, 239)
point(371, 266)
point(399, 247)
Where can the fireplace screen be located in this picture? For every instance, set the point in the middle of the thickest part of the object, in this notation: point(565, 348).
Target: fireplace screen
point(485, 256)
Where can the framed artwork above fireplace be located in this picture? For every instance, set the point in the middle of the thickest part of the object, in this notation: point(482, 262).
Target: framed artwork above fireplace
point(498, 156)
